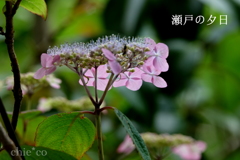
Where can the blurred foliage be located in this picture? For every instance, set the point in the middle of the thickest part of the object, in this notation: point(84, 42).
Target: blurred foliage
point(202, 99)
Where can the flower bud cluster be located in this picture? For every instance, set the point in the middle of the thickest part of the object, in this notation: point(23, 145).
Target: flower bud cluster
point(29, 84)
point(165, 140)
point(131, 60)
point(159, 145)
point(63, 105)
point(129, 52)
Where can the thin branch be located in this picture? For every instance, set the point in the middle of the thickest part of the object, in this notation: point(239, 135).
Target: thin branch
point(8, 144)
point(96, 93)
point(85, 87)
point(104, 108)
point(72, 68)
point(110, 82)
point(88, 112)
point(9, 34)
point(8, 125)
point(15, 7)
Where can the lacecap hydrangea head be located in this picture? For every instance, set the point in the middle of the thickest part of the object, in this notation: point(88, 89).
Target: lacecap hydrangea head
point(64, 105)
point(129, 60)
point(30, 85)
point(160, 145)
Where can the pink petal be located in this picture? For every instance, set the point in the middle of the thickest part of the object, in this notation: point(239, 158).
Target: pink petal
point(123, 75)
point(162, 50)
point(40, 73)
point(126, 146)
point(190, 151)
point(201, 145)
point(49, 62)
point(115, 67)
point(146, 77)
point(43, 105)
point(55, 85)
point(90, 73)
point(24, 89)
point(151, 43)
point(137, 73)
point(126, 74)
point(108, 54)
point(134, 85)
point(88, 81)
point(149, 61)
point(183, 151)
point(50, 70)
point(151, 70)
point(120, 83)
point(147, 68)
point(101, 84)
point(160, 64)
point(102, 71)
point(44, 58)
point(193, 156)
point(9, 87)
point(159, 82)
point(56, 58)
point(54, 82)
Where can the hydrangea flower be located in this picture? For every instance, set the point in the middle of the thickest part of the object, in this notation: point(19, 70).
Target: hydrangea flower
point(151, 76)
point(30, 85)
point(126, 146)
point(101, 77)
point(190, 151)
point(64, 105)
point(132, 80)
point(128, 61)
point(184, 146)
point(157, 55)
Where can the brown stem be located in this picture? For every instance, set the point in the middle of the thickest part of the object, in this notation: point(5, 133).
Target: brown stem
point(9, 34)
point(104, 108)
point(8, 144)
point(110, 82)
point(86, 89)
point(8, 126)
point(15, 7)
point(88, 112)
point(96, 93)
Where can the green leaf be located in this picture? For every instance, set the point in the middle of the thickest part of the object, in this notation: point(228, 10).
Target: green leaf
point(134, 134)
point(27, 125)
point(68, 132)
point(38, 153)
point(37, 7)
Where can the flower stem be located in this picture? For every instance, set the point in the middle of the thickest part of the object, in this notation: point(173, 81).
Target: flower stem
point(106, 90)
point(99, 136)
point(96, 94)
point(86, 89)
